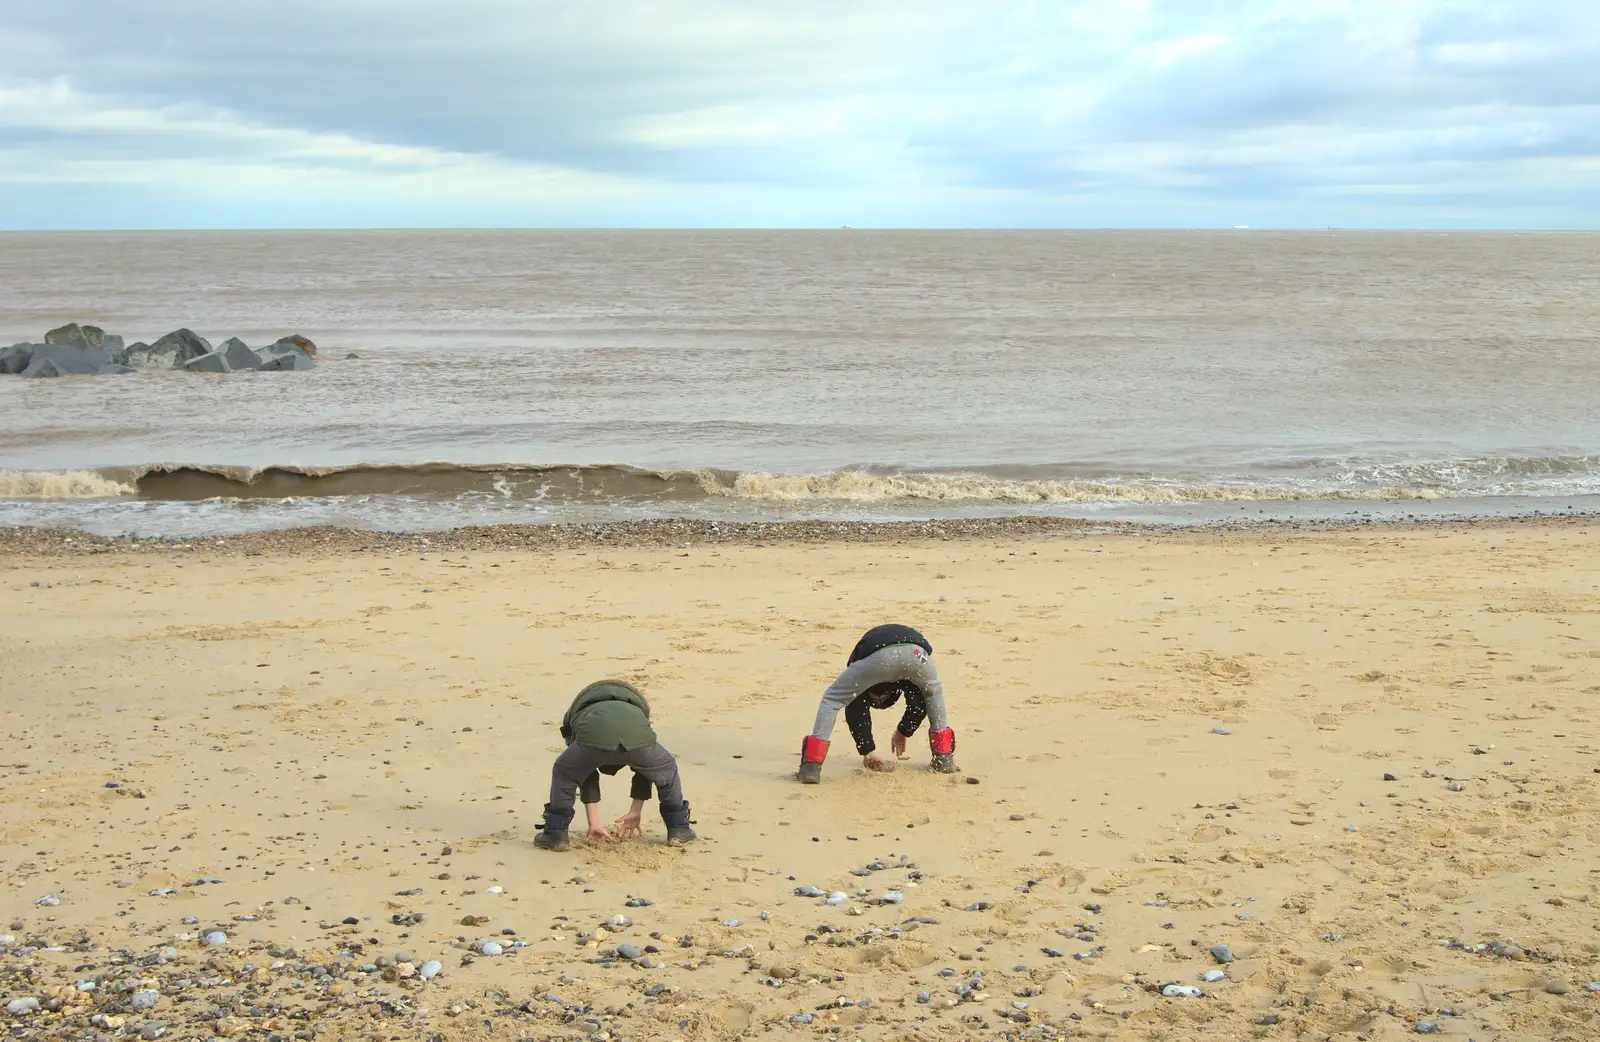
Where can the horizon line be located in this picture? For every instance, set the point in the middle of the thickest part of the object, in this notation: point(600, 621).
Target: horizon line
point(801, 228)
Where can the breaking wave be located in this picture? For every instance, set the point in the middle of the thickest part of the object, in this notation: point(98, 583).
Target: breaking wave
point(70, 484)
point(1285, 481)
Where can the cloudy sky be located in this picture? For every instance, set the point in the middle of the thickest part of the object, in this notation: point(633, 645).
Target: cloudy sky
point(939, 113)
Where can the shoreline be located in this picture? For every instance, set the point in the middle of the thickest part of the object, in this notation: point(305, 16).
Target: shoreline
point(25, 540)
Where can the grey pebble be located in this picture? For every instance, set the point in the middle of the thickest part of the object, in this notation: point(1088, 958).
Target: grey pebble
point(430, 969)
point(804, 1018)
point(216, 938)
point(152, 1030)
point(1222, 953)
point(1427, 1027)
point(924, 996)
point(809, 891)
point(638, 902)
point(629, 951)
point(144, 999)
point(1212, 976)
point(1018, 817)
point(1594, 985)
point(1182, 991)
point(404, 957)
point(1557, 987)
point(732, 924)
point(1455, 786)
point(1220, 730)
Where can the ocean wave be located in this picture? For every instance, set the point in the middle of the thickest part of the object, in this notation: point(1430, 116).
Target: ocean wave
point(69, 484)
point(595, 484)
point(865, 487)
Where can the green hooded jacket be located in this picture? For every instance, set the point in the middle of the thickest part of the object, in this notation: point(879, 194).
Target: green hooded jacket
point(609, 715)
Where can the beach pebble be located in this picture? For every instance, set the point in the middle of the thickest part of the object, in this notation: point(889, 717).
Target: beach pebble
point(638, 902)
point(732, 924)
point(18, 1007)
point(1092, 908)
point(1212, 976)
point(1018, 817)
point(1455, 786)
point(838, 897)
point(496, 890)
point(629, 951)
point(809, 891)
point(400, 957)
point(1182, 991)
point(216, 938)
point(924, 997)
point(152, 1030)
point(49, 901)
point(430, 969)
point(1220, 730)
point(1427, 1027)
point(892, 897)
point(1557, 987)
point(144, 999)
point(1222, 953)
point(804, 1018)
point(488, 948)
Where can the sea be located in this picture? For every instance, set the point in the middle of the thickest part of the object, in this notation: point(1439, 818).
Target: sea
point(490, 377)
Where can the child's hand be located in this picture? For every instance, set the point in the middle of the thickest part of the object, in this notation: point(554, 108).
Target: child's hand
point(874, 761)
point(898, 745)
point(628, 825)
point(598, 832)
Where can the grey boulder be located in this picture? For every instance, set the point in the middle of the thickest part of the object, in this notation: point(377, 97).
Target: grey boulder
point(211, 362)
point(238, 355)
point(65, 360)
point(74, 335)
point(284, 357)
point(15, 359)
point(173, 351)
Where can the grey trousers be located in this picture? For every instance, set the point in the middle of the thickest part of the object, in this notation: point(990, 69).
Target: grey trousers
point(580, 761)
point(900, 662)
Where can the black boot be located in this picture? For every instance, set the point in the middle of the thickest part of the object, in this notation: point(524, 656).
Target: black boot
point(553, 833)
point(676, 815)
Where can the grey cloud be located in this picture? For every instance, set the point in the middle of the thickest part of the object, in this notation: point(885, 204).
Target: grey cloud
point(1032, 97)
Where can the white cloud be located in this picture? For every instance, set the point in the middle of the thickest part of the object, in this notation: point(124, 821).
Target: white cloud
point(701, 112)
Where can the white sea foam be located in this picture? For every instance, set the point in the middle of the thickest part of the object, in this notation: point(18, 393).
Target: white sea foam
point(70, 484)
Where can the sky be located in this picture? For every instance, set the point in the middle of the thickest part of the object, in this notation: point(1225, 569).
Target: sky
point(782, 113)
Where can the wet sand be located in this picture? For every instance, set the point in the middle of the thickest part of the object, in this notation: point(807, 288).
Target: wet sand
point(348, 726)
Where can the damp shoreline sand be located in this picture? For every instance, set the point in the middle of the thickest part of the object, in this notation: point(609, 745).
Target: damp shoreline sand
point(363, 722)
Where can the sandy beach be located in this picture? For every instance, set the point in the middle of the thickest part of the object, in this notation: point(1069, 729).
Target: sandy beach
point(1365, 760)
